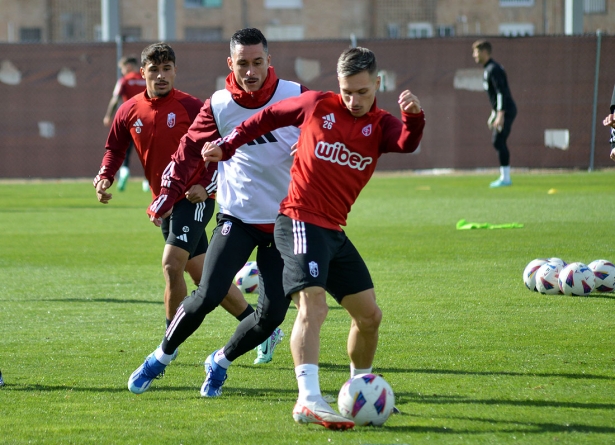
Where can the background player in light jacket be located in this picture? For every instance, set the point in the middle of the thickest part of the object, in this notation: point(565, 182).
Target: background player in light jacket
point(130, 84)
point(503, 108)
point(250, 188)
point(155, 120)
point(342, 137)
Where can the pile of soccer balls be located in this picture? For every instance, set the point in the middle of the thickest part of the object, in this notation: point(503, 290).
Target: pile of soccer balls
point(554, 276)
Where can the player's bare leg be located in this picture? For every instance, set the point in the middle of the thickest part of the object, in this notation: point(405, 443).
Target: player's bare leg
point(312, 310)
point(174, 260)
point(363, 335)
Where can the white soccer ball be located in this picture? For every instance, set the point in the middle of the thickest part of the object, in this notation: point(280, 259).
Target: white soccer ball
point(366, 399)
point(576, 279)
point(604, 275)
point(555, 260)
point(546, 278)
point(529, 273)
point(247, 278)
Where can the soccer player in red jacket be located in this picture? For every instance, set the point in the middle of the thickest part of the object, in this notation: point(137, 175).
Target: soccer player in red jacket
point(342, 136)
point(130, 84)
point(156, 120)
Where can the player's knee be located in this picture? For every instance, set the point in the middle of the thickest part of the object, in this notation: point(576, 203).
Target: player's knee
point(173, 270)
point(369, 321)
point(311, 304)
point(209, 297)
point(315, 309)
point(269, 324)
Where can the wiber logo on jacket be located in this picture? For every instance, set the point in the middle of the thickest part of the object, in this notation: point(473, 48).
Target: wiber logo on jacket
point(339, 154)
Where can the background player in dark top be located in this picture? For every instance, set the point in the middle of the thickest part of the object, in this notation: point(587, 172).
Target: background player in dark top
point(130, 84)
point(503, 108)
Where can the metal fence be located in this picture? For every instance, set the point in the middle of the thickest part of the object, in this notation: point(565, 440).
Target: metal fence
point(54, 97)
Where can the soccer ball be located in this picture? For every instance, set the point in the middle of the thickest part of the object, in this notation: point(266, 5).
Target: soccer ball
point(247, 278)
point(366, 399)
point(576, 279)
point(546, 278)
point(604, 275)
point(555, 260)
point(529, 273)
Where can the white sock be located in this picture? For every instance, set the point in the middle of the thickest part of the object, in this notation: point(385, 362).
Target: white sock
point(221, 359)
point(356, 371)
point(505, 173)
point(163, 358)
point(307, 380)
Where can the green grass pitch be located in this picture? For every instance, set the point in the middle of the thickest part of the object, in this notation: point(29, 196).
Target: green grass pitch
point(472, 355)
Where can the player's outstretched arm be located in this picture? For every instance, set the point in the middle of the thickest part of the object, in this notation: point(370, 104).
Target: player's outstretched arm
point(101, 191)
point(409, 103)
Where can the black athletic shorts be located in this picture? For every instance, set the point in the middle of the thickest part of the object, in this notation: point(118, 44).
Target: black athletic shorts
point(185, 228)
point(314, 256)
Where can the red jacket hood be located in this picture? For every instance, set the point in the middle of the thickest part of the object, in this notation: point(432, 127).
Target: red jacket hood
point(256, 99)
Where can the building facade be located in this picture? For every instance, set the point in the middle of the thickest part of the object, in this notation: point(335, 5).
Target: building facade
point(63, 21)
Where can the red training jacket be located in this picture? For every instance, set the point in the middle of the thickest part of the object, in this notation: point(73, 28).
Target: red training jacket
point(336, 153)
point(129, 86)
point(156, 127)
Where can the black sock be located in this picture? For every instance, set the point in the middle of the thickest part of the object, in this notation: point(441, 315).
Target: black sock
point(249, 311)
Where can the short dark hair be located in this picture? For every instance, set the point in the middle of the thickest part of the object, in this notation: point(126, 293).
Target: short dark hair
point(157, 53)
point(356, 60)
point(248, 37)
point(129, 60)
point(482, 45)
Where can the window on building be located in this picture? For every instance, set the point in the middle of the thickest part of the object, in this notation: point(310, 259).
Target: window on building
point(446, 30)
point(417, 30)
point(131, 33)
point(98, 33)
point(30, 34)
point(283, 4)
point(73, 26)
point(202, 3)
point(393, 31)
point(514, 3)
point(196, 34)
point(516, 29)
point(594, 6)
point(285, 32)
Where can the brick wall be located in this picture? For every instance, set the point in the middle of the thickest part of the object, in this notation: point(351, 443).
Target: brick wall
point(52, 128)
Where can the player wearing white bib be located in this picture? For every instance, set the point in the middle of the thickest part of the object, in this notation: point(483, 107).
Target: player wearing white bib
point(342, 137)
point(250, 188)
